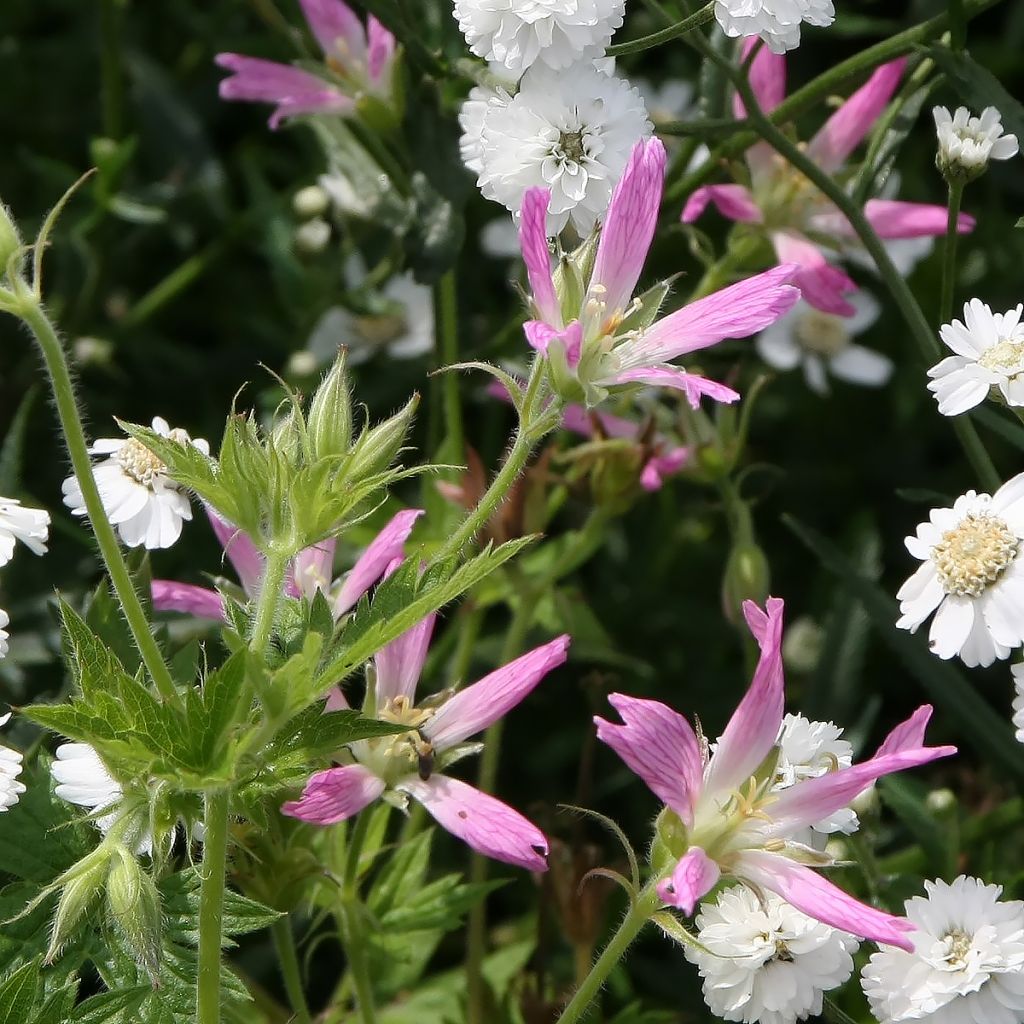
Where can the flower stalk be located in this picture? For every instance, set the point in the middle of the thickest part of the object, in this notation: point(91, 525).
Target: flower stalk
point(288, 960)
point(956, 192)
point(211, 906)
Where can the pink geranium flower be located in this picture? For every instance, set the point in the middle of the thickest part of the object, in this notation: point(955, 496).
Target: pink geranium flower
point(611, 339)
point(803, 226)
point(312, 570)
point(412, 764)
point(722, 817)
point(357, 60)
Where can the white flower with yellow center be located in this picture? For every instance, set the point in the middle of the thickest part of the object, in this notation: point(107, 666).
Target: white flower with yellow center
point(764, 961)
point(29, 525)
point(970, 576)
point(571, 132)
point(822, 344)
point(139, 498)
point(518, 33)
point(966, 143)
point(968, 961)
point(10, 768)
point(988, 354)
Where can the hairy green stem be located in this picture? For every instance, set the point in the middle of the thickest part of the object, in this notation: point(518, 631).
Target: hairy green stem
point(74, 437)
point(288, 959)
point(807, 96)
point(527, 435)
point(897, 285)
point(267, 603)
point(211, 906)
point(956, 193)
point(666, 35)
point(638, 915)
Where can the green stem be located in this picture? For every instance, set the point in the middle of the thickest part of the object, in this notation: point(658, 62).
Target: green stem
point(528, 433)
point(355, 942)
point(666, 35)
point(639, 914)
point(956, 192)
point(288, 958)
point(74, 437)
point(267, 603)
point(111, 78)
point(447, 318)
point(897, 285)
point(211, 906)
point(824, 85)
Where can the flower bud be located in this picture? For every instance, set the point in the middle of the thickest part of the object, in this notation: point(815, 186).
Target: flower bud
point(802, 645)
point(747, 578)
point(939, 801)
point(376, 449)
point(330, 413)
point(313, 236)
point(311, 201)
point(10, 240)
point(80, 886)
point(866, 803)
point(134, 905)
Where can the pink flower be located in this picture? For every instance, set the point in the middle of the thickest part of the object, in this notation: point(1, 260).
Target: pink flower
point(661, 457)
point(614, 340)
point(722, 817)
point(411, 764)
point(311, 570)
point(357, 60)
point(792, 213)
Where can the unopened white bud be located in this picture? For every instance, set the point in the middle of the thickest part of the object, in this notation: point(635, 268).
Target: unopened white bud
point(311, 201)
point(313, 236)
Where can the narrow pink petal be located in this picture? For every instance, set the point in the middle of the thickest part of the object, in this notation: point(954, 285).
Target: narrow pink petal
point(581, 421)
point(693, 878)
point(312, 570)
point(171, 596)
point(659, 746)
point(400, 662)
point(337, 29)
point(754, 726)
point(335, 795)
point(909, 735)
point(372, 563)
point(843, 132)
point(734, 312)
point(820, 899)
point(767, 79)
point(336, 700)
point(629, 226)
point(892, 218)
point(693, 386)
point(814, 799)
point(381, 50)
point(241, 552)
point(541, 336)
point(533, 240)
point(473, 709)
point(732, 201)
point(821, 284)
point(483, 823)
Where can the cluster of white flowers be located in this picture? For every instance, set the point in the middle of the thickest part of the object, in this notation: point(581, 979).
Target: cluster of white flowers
point(966, 143)
point(554, 114)
point(10, 768)
point(764, 961)
point(967, 964)
point(140, 499)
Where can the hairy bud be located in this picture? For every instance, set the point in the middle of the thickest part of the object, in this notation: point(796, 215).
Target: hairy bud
point(80, 887)
point(134, 906)
point(376, 449)
point(330, 413)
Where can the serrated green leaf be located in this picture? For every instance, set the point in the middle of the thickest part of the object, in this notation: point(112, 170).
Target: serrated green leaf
point(59, 1005)
point(104, 1007)
point(18, 993)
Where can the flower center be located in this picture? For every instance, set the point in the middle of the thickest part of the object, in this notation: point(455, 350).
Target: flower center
point(408, 749)
point(139, 462)
point(958, 946)
point(822, 334)
point(571, 146)
point(974, 554)
point(1005, 355)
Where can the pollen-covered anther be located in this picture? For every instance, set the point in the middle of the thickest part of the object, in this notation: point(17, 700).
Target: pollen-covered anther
point(1005, 355)
point(139, 462)
point(973, 555)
